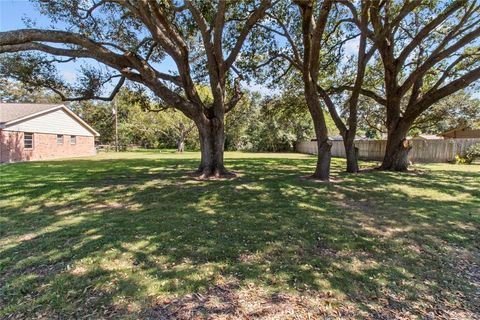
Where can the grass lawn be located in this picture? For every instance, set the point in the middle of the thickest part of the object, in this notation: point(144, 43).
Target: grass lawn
point(132, 235)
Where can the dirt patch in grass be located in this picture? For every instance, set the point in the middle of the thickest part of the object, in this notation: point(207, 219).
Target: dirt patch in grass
point(230, 301)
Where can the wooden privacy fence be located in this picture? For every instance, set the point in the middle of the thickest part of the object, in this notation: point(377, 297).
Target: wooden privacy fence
point(422, 150)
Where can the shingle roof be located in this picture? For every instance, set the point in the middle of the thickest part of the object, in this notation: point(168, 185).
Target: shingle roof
point(13, 111)
point(10, 112)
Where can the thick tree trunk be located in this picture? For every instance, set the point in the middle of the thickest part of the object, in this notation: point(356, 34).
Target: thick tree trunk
point(324, 146)
point(212, 140)
point(322, 170)
point(398, 147)
point(351, 153)
point(181, 145)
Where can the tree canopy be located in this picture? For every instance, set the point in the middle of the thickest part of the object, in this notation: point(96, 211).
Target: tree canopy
point(367, 65)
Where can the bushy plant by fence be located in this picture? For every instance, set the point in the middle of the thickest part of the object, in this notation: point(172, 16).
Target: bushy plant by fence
point(472, 153)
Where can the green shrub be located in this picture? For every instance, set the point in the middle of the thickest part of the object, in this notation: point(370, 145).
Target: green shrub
point(471, 154)
point(460, 159)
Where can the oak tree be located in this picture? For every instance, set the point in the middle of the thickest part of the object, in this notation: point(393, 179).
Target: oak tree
point(202, 39)
point(428, 51)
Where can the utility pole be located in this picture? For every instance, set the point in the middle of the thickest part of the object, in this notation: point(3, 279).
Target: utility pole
point(115, 112)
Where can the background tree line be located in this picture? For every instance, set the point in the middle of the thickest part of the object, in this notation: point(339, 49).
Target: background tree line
point(261, 123)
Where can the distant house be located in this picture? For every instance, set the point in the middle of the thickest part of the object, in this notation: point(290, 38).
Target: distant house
point(427, 137)
point(461, 133)
point(43, 131)
point(340, 138)
point(334, 138)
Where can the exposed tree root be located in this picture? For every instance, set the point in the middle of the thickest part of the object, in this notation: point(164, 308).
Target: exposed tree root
point(213, 174)
point(316, 179)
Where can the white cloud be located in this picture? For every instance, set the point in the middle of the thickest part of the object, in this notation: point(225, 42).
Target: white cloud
point(351, 46)
point(69, 75)
point(261, 88)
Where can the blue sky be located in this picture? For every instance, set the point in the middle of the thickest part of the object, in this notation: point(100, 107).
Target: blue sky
point(12, 15)
point(12, 12)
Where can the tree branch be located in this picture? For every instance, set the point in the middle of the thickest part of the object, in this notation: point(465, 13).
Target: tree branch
point(427, 29)
point(257, 14)
point(288, 37)
point(365, 92)
point(433, 96)
point(112, 95)
point(237, 95)
point(438, 56)
point(332, 110)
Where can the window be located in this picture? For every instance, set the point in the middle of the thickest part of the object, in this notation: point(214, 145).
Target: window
point(28, 140)
point(73, 139)
point(59, 138)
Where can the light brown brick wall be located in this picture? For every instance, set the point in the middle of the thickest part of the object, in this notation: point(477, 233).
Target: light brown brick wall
point(44, 147)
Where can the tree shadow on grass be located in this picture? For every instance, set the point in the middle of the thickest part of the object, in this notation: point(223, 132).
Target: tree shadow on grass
point(116, 237)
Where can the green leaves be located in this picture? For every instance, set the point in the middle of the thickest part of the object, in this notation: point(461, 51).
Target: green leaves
point(33, 70)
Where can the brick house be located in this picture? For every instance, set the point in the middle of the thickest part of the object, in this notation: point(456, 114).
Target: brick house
point(43, 131)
